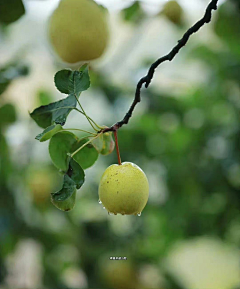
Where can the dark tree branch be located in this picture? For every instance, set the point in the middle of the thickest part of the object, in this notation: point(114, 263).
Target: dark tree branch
point(169, 57)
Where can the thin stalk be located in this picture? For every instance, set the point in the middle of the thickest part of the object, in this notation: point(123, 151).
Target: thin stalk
point(117, 147)
point(77, 129)
point(93, 138)
point(88, 117)
point(85, 114)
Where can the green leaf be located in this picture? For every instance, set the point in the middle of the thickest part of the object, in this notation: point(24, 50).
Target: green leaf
point(7, 114)
point(104, 144)
point(56, 112)
point(87, 156)
point(73, 180)
point(75, 82)
point(76, 173)
point(67, 81)
point(69, 203)
point(9, 73)
point(48, 132)
point(60, 146)
point(62, 80)
point(11, 10)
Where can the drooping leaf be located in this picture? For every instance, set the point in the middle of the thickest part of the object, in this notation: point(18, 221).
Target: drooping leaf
point(7, 114)
point(69, 203)
point(73, 180)
point(9, 73)
point(104, 144)
point(76, 173)
point(87, 156)
point(48, 132)
point(56, 112)
point(60, 146)
point(11, 10)
point(68, 81)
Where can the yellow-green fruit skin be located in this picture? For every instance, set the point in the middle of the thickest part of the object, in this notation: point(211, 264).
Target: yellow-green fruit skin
point(124, 189)
point(78, 30)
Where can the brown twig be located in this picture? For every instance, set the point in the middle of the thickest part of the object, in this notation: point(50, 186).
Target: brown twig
point(169, 57)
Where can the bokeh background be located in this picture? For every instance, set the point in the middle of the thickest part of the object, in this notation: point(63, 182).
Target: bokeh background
point(185, 135)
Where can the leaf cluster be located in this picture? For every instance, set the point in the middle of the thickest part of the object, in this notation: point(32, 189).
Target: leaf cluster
point(71, 155)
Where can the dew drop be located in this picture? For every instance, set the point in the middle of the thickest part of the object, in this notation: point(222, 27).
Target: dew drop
point(139, 214)
point(104, 208)
point(110, 214)
point(99, 201)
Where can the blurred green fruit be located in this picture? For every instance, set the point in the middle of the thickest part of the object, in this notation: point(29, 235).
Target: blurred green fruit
point(40, 185)
point(173, 11)
point(124, 189)
point(78, 30)
point(119, 275)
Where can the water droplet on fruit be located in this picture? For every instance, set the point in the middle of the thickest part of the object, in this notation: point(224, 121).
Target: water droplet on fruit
point(110, 214)
point(99, 201)
point(139, 214)
point(104, 208)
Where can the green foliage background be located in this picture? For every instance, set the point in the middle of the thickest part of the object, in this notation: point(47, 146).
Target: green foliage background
point(188, 145)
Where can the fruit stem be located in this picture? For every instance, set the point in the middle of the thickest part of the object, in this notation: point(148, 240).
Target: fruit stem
point(90, 120)
point(117, 147)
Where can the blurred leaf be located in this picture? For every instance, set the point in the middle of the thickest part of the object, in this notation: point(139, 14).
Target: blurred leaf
point(227, 26)
point(11, 10)
point(56, 112)
point(73, 180)
point(104, 144)
point(43, 97)
point(7, 114)
point(48, 132)
point(5, 163)
point(60, 146)
point(68, 81)
point(9, 73)
point(87, 156)
point(134, 13)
